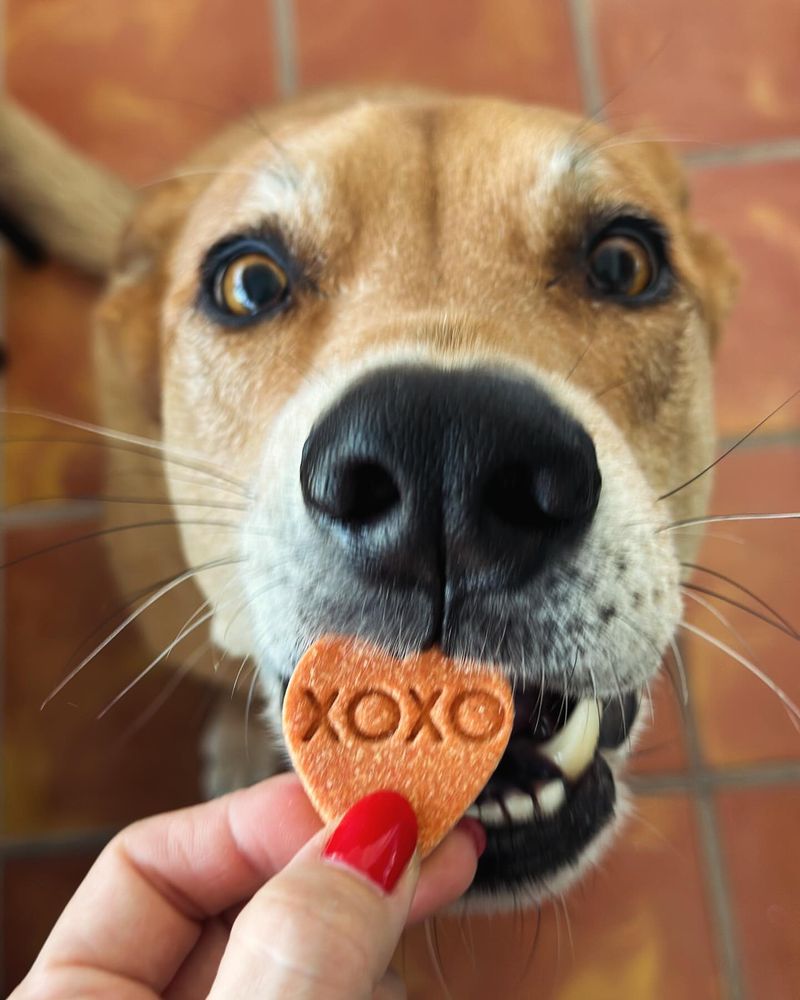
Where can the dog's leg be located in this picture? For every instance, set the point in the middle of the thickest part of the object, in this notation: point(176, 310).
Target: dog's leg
point(229, 759)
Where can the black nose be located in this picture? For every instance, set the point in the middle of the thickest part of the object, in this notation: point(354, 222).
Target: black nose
point(457, 478)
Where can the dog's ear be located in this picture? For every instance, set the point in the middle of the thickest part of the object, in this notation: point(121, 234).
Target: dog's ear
point(128, 318)
point(53, 199)
point(717, 275)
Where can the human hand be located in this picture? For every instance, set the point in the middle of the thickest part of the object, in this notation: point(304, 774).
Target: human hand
point(241, 897)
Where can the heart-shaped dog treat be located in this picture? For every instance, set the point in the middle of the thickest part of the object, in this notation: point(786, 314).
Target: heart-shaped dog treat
point(357, 720)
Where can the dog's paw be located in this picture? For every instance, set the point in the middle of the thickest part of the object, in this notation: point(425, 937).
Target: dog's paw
point(233, 757)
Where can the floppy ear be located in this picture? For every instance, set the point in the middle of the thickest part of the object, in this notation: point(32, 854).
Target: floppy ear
point(128, 318)
point(719, 278)
point(717, 275)
point(128, 364)
point(52, 196)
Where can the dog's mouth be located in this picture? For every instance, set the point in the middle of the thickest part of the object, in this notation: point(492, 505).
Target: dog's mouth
point(553, 790)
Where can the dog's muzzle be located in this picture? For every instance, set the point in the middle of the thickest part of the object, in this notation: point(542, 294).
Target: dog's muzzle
point(460, 487)
point(458, 482)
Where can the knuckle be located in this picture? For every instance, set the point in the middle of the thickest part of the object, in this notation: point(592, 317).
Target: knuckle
point(322, 936)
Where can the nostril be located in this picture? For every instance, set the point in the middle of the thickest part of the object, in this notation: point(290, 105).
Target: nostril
point(355, 492)
point(509, 496)
point(521, 496)
point(568, 495)
point(368, 493)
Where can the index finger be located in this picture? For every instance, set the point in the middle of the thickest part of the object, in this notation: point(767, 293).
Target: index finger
point(139, 911)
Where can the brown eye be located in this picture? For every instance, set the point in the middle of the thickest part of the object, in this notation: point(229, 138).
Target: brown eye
point(250, 285)
point(622, 266)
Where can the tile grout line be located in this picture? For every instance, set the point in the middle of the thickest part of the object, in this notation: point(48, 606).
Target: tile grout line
point(41, 515)
point(766, 151)
point(717, 890)
point(3, 336)
point(753, 776)
point(757, 776)
point(285, 46)
point(744, 154)
point(586, 58)
point(769, 439)
point(56, 844)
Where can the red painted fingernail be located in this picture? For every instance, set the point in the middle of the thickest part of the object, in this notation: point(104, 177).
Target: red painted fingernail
point(377, 837)
point(474, 828)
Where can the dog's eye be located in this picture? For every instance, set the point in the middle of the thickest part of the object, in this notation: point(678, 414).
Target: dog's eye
point(623, 265)
point(250, 285)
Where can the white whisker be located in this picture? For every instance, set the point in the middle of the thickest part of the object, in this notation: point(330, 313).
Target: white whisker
point(184, 633)
point(436, 959)
point(716, 518)
point(791, 707)
point(169, 688)
point(681, 668)
point(239, 672)
point(247, 707)
point(721, 618)
point(208, 172)
point(148, 603)
point(202, 462)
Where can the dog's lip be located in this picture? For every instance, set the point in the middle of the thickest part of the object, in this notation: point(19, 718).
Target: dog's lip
point(519, 855)
point(556, 740)
point(536, 776)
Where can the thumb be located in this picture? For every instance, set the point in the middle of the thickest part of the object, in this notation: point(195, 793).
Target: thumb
point(327, 925)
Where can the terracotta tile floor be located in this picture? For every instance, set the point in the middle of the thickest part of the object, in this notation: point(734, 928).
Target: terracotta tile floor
point(721, 71)
point(699, 898)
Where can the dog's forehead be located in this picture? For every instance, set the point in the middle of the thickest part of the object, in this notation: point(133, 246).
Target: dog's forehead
point(375, 161)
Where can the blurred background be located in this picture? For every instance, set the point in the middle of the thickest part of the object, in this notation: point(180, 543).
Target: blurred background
point(701, 895)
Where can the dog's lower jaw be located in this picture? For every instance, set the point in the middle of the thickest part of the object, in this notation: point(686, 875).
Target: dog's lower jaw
point(527, 863)
point(532, 893)
point(593, 625)
point(237, 749)
point(548, 855)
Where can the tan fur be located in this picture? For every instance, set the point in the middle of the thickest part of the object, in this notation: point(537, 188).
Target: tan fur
point(73, 207)
point(469, 273)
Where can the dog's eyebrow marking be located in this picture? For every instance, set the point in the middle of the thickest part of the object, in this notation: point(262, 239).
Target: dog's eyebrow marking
point(276, 189)
point(562, 160)
point(428, 119)
point(287, 192)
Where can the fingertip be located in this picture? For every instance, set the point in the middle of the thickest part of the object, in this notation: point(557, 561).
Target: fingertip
point(273, 820)
point(377, 837)
point(476, 830)
point(448, 872)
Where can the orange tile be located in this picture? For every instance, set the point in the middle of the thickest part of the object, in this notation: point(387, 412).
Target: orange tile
point(64, 769)
point(637, 927)
point(759, 842)
point(662, 747)
point(740, 720)
point(49, 368)
point(757, 210)
point(138, 85)
point(711, 72)
point(35, 891)
point(520, 48)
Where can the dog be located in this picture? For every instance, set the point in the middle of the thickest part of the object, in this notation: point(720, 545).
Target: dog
point(424, 370)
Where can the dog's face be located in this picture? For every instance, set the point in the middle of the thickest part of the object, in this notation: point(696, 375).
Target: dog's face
point(455, 350)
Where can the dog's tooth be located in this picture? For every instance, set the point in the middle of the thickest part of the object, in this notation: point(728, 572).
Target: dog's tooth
point(551, 797)
point(491, 813)
point(519, 806)
point(572, 748)
point(473, 812)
